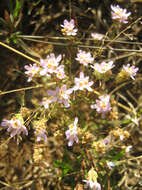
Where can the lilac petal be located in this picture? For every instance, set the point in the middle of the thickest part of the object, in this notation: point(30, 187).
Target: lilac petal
point(66, 103)
point(93, 106)
point(13, 133)
point(51, 92)
point(76, 121)
point(70, 143)
point(81, 75)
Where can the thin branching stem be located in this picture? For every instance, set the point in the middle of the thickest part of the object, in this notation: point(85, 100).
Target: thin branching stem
point(19, 53)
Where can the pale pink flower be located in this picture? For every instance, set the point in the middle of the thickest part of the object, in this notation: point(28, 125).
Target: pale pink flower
point(71, 133)
point(131, 70)
point(97, 36)
point(50, 64)
point(40, 134)
point(119, 14)
point(69, 28)
point(46, 101)
point(60, 73)
point(15, 127)
point(102, 104)
point(84, 57)
point(32, 70)
point(82, 83)
point(60, 95)
point(103, 67)
point(111, 165)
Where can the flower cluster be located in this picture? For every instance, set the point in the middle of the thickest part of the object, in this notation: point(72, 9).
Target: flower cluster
point(48, 66)
point(69, 28)
point(102, 104)
point(15, 126)
point(84, 57)
point(51, 65)
point(71, 133)
point(119, 14)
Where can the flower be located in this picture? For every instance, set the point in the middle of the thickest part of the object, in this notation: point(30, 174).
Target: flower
point(130, 70)
point(92, 180)
point(84, 57)
point(119, 14)
point(111, 165)
point(60, 95)
point(128, 148)
point(15, 127)
point(50, 64)
point(68, 28)
point(60, 72)
point(82, 83)
point(40, 134)
point(97, 36)
point(103, 67)
point(71, 133)
point(102, 105)
point(45, 102)
point(32, 70)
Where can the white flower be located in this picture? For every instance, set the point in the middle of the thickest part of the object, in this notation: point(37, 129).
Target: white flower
point(71, 133)
point(82, 83)
point(103, 67)
point(111, 165)
point(60, 95)
point(32, 70)
point(131, 70)
point(68, 28)
point(128, 148)
point(50, 64)
point(102, 104)
point(84, 57)
point(97, 36)
point(15, 127)
point(119, 14)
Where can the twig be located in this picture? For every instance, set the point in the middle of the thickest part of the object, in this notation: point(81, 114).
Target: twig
point(124, 30)
point(19, 53)
point(83, 46)
point(134, 158)
point(21, 89)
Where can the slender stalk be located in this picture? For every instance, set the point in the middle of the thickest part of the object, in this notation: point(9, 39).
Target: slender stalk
point(19, 53)
point(20, 89)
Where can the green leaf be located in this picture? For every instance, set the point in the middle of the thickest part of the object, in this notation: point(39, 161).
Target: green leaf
point(17, 9)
